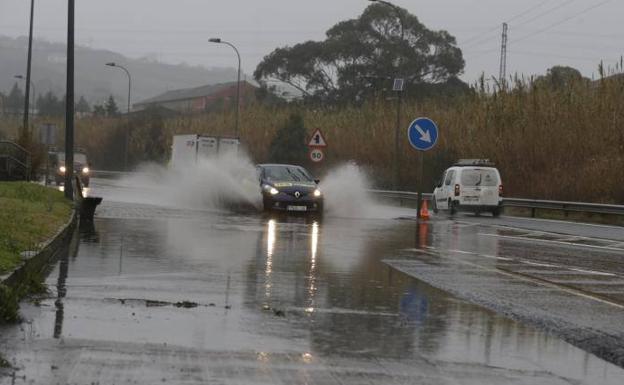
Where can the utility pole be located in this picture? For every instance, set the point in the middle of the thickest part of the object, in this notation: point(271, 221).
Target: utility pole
point(503, 58)
point(69, 105)
point(127, 136)
point(399, 83)
point(28, 65)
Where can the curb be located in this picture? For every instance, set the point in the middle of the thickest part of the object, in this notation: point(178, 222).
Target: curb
point(37, 263)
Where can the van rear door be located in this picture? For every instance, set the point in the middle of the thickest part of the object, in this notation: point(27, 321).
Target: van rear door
point(479, 186)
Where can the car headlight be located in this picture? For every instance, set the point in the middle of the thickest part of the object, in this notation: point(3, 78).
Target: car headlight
point(317, 193)
point(62, 169)
point(270, 189)
point(85, 170)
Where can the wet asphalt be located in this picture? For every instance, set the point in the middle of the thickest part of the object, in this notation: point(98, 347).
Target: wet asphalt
point(152, 294)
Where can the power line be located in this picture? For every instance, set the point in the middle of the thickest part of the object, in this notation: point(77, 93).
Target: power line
point(520, 15)
point(551, 26)
point(548, 11)
point(550, 54)
point(525, 12)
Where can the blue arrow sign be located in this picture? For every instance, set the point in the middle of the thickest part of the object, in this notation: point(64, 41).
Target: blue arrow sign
point(423, 134)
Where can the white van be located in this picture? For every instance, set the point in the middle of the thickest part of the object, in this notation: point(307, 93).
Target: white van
point(470, 185)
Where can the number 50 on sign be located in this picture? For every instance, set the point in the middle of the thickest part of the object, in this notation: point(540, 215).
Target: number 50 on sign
point(317, 155)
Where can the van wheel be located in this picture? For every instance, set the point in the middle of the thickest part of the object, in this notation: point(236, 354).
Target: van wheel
point(496, 212)
point(434, 206)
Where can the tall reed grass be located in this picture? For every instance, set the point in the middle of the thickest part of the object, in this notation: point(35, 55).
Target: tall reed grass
point(565, 144)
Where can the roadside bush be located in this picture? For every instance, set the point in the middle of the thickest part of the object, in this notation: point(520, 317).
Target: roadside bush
point(9, 307)
point(288, 145)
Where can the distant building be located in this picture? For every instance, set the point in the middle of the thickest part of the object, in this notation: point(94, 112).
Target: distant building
point(199, 99)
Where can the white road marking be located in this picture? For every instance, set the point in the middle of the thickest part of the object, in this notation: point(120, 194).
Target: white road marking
point(538, 264)
point(610, 248)
point(561, 221)
point(536, 281)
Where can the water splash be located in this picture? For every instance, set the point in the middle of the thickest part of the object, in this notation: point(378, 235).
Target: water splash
point(346, 195)
point(223, 182)
point(230, 182)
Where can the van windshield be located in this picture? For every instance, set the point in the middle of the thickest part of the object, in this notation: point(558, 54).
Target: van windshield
point(473, 178)
point(78, 158)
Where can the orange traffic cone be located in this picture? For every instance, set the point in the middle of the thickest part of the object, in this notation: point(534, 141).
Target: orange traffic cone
point(424, 210)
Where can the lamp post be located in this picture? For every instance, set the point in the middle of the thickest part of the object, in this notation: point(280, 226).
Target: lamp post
point(395, 163)
point(32, 85)
point(112, 64)
point(219, 41)
point(28, 66)
point(69, 104)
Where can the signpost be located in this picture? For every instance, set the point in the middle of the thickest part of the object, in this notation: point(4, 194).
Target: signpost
point(317, 139)
point(316, 144)
point(47, 137)
point(423, 136)
point(317, 155)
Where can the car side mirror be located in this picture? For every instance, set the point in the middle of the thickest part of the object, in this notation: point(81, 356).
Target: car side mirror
point(439, 184)
point(317, 181)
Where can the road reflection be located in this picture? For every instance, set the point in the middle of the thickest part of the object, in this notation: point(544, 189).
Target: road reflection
point(68, 252)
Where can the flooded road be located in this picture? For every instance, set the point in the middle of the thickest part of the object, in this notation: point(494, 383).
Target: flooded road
point(163, 295)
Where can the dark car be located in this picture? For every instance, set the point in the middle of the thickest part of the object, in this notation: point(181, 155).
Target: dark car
point(291, 188)
point(58, 167)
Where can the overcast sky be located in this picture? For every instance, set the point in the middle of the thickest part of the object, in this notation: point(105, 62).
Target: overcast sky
point(542, 33)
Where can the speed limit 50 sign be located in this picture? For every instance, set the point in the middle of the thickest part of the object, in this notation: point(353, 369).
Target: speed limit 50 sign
point(316, 155)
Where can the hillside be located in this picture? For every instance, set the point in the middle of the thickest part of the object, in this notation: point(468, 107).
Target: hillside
point(94, 80)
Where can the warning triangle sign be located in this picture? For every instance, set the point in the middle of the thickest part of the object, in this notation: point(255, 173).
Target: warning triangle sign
point(317, 139)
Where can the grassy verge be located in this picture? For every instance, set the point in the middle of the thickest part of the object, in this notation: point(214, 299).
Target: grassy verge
point(29, 215)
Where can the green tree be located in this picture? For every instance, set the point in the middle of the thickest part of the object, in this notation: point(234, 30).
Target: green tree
point(3, 103)
point(15, 100)
point(82, 106)
point(383, 42)
point(50, 105)
point(289, 144)
point(111, 107)
point(99, 110)
point(560, 77)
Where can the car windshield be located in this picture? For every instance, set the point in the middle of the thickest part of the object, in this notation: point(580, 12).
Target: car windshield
point(286, 174)
point(78, 158)
point(477, 177)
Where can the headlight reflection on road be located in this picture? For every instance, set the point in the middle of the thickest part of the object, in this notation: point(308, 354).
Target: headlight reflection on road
point(269, 261)
point(85, 190)
point(271, 239)
point(312, 277)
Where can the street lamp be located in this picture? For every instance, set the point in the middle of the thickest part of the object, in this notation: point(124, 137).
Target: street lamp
point(395, 174)
point(32, 85)
point(219, 41)
point(129, 79)
point(112, 64)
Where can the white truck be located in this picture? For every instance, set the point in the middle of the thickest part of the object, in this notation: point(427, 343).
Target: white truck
point(186, 150)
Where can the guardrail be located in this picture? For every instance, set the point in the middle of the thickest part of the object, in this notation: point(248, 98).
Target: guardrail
point(409, 197)
point(14, 157)
point(531, 204)
point(110, 174)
